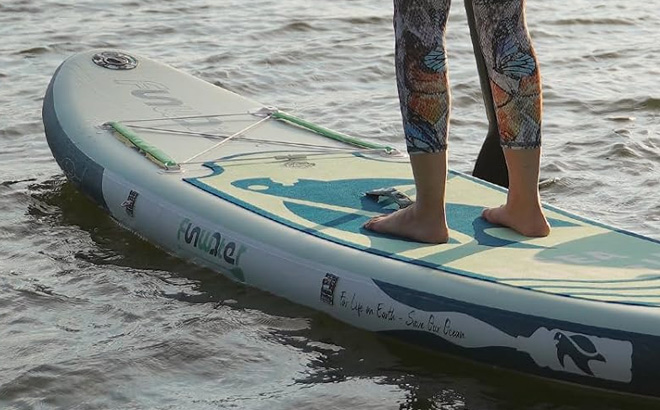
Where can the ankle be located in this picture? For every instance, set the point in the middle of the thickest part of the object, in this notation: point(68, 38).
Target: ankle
point(524, 198)
point(429, 210)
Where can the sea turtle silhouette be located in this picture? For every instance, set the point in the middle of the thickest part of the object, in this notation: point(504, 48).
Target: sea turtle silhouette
point(580, 349)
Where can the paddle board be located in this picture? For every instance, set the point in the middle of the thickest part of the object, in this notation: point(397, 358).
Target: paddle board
point(278, 203)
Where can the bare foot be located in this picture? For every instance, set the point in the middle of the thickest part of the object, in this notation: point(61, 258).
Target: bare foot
point(527, 221)
point(411, 223)
point(522, 212)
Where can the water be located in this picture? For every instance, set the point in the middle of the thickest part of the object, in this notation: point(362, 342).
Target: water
point(91, 317)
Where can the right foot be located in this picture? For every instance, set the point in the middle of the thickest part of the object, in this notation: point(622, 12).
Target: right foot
point(527, 221)
point(522, 212)
point(410, 223)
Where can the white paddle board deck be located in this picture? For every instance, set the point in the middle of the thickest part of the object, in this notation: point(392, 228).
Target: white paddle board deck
point(225, 182)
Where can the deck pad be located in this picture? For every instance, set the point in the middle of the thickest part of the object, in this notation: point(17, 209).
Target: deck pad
point(324, 195)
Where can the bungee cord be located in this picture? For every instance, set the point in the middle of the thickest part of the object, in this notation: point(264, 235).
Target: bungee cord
point(125, 128)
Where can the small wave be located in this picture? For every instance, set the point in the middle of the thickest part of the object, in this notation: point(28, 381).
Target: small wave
point(297, 26)
point(286, 28)
point(16, 181)
point(608, 55)
point(621, 151)
point(364, 20)
point(10, 132)
point(644, 103)
point(621, 118)
point(20, 9)
point(278, 60)
point(34, 51)
point(548, 183)
point(651, 103)
point(594, 22)
point(612, 108)
point(62, 380)
point(20, 130)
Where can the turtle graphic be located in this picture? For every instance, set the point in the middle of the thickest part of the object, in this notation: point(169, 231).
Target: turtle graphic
point(580, 349)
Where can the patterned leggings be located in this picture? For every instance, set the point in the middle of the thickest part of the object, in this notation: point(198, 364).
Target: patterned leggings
point(510, 64)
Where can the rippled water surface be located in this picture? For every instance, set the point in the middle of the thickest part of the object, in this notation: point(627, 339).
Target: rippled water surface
point(91, 317)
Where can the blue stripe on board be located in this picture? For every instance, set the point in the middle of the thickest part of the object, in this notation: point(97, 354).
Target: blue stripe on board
point(643, 279)
point(592, 288)
point(618, 295)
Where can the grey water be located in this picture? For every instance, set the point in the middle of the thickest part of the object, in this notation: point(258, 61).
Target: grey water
point(92, 317)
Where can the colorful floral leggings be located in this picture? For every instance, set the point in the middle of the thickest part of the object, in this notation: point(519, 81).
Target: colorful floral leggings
point(510, 64)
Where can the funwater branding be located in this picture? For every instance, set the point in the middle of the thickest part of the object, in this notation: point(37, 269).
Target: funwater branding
point(159, 98)
point(213, 245)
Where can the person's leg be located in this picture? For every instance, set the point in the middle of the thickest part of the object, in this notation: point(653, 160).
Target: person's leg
point(424, 220)
point(515, 83)
point(422, 83)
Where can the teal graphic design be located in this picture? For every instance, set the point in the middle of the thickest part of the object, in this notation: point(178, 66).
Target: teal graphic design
point(349, 193)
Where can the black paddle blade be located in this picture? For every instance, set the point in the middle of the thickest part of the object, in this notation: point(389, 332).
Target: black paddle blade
point(491, 165)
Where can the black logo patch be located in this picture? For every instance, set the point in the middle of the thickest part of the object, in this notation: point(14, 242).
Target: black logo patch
point(129, 203)
point(328, 289)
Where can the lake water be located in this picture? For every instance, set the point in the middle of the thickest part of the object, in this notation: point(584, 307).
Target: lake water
point(91, 317)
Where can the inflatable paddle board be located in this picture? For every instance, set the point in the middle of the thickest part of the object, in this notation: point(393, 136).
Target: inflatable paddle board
point(278, 203)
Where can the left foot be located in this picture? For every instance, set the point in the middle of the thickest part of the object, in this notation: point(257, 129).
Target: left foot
point(424, 220)
point(412, 223)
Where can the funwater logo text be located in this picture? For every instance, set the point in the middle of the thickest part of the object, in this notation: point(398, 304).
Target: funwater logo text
point(213, 245)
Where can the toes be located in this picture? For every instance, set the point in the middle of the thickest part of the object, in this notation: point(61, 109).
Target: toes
point(494, 215)
point(488, 215)
point(370, 223)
